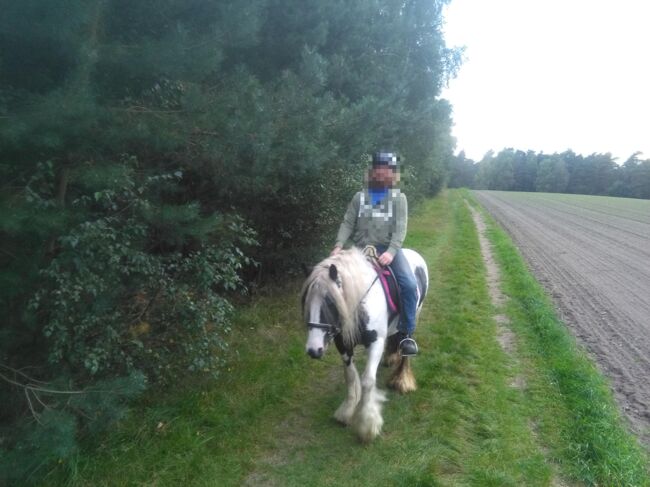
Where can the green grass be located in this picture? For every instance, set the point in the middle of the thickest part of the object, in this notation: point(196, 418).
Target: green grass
point(569, 398)
point(268, 421)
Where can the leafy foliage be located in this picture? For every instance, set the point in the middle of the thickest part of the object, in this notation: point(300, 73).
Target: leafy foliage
point(111, 302)
point(242, 120)
point(247, 97)
point(597, 174)
point(552, 175)
point(135, 288)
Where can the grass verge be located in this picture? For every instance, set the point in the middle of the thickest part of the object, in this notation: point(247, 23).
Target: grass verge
point(570, 401)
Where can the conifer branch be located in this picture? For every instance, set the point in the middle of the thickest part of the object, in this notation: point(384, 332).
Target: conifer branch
point(17, 371)
point(34, 387)
point(31, 407)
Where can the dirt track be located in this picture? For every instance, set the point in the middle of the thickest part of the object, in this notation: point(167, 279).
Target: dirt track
point(592, 254)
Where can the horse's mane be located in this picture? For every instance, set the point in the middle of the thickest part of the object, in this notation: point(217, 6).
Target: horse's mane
point(350, 265)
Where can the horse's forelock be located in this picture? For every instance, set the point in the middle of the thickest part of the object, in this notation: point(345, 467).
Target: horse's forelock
point(350, 266)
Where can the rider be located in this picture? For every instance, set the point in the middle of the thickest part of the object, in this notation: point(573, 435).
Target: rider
point(378, 216)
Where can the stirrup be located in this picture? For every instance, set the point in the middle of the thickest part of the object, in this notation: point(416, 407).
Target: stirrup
point(410, 345)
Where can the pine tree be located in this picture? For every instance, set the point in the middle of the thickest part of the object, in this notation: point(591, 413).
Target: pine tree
point(144, 144)
point(552, 175)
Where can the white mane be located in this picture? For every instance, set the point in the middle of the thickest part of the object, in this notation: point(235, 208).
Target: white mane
point(351, 266)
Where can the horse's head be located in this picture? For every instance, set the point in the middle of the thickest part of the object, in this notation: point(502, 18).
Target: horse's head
point(331, 295)
point(320, 312)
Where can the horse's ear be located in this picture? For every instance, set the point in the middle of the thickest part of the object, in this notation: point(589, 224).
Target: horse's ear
point(334, 272)
point(306, 270)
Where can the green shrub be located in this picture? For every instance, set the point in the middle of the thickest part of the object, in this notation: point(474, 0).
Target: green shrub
point(134, 287)
point(138, 283)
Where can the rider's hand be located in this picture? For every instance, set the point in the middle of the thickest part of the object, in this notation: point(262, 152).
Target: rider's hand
point(335, 251)
point(385, 259)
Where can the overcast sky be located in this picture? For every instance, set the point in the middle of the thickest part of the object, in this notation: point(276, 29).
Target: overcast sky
point(551, 75)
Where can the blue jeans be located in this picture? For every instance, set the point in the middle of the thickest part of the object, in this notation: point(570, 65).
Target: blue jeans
point(408, 290)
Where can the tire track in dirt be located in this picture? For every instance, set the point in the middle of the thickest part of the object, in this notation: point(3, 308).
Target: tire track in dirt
point(596, 267)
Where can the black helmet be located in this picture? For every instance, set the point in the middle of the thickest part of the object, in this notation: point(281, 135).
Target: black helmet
point(389, 159)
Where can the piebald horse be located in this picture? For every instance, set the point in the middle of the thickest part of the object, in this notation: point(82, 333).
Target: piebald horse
point(343, 301)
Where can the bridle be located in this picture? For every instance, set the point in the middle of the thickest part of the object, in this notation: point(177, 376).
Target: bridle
point(331, 331)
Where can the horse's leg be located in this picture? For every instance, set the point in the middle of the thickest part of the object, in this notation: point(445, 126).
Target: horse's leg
point(403, 380)
point(367, 420)
point(345, 411)
point(392, 356)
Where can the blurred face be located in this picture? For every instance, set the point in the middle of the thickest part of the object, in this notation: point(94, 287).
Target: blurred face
point(381, 177)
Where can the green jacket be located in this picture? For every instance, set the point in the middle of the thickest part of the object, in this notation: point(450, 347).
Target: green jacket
point(384, 224)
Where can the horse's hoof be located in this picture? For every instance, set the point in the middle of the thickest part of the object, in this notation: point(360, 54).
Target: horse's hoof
point(402, 386)
point(403, 381)
point(367, 420)
point(367, 429)
point(344, 414)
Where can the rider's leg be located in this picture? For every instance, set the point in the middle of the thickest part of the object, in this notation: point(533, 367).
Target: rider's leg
point(408, 294)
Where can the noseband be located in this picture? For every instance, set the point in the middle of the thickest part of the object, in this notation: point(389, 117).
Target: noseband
point(330, 330)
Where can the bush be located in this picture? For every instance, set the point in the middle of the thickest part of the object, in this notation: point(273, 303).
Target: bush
point(113, 267)
point(138, 283)
point(134, 288)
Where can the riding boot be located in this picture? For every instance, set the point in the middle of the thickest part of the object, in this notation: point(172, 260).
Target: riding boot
point(407, 346)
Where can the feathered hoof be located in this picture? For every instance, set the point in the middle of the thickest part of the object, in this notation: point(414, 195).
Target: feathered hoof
point(367, 421)
point(403, 383)
point(403, 380)
point(344, 413)
point(368, 426)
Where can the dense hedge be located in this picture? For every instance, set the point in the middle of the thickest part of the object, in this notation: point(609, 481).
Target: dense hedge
point(152, 151)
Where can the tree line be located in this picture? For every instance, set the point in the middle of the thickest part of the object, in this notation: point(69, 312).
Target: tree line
point(160, 157)
point(566, 172)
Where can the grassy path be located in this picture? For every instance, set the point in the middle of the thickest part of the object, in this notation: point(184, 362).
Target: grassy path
point(569, 401)
point(269, 421)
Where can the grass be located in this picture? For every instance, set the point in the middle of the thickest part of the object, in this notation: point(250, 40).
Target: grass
point(268, 421)
point(571, 401)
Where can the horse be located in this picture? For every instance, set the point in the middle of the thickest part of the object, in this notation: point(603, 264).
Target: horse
point(343, 301)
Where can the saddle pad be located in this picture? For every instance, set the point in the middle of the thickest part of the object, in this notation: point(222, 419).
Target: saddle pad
point(391, 291)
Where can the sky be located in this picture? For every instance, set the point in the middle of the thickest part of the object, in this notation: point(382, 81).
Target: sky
point(551, 75)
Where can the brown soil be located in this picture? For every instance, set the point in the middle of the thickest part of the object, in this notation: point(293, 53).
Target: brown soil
point(505, 336)
point(592, 255)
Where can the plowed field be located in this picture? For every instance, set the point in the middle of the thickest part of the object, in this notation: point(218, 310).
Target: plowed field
point(592, 254)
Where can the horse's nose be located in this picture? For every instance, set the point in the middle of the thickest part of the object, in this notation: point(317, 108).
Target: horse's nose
point(315, 353)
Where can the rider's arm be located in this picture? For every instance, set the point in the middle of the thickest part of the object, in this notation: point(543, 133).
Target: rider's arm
point(401, 220)
point(349, 221)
